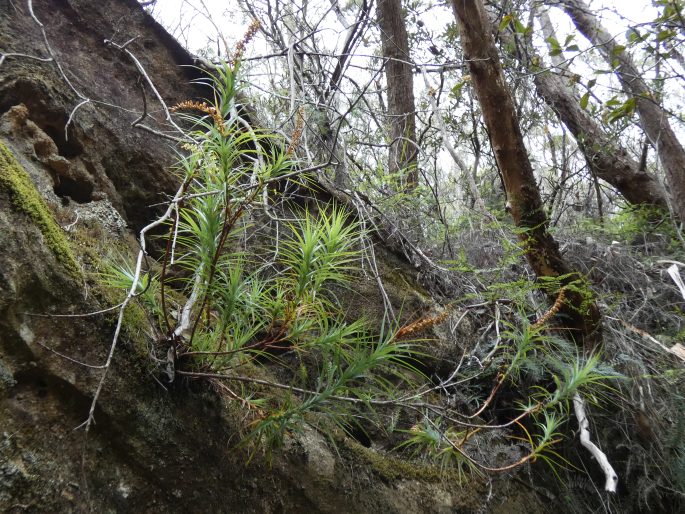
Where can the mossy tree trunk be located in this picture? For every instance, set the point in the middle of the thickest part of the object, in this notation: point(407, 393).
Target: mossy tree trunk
point(579, 312)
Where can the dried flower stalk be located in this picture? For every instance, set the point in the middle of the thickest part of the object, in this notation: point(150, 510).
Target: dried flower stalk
point(297, 133)
point(212, 111)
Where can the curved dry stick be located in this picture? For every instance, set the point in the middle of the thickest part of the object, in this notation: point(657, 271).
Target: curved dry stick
point(599, 455)
point(141, 70)
point(4, 56)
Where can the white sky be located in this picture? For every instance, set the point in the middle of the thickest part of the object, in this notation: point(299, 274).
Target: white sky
point(198, 31)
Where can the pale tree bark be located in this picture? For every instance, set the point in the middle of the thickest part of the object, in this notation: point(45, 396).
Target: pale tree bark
point(548, 32)
point(580, 315)
point(400, 81)
point(653, 118)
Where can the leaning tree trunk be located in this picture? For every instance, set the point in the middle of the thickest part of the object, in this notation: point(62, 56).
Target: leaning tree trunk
point(605, 156)
point(579, 314)
point(400, 80)
point(653, 119)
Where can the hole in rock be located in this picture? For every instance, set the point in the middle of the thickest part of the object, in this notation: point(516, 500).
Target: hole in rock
point(44, 112)
point(78, 190)
point(69, 149)
point(360, 435)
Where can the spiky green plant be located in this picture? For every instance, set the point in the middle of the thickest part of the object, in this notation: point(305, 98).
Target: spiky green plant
point(431, 439)
point(243, 312)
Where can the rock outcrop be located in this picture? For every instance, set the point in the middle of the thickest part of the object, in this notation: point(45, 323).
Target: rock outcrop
point(76, 180)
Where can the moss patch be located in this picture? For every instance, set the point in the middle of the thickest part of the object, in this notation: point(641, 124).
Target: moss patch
point(393, 468)
point(25, 198)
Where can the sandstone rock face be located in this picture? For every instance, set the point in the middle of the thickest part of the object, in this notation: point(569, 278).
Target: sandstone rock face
point(89, 178)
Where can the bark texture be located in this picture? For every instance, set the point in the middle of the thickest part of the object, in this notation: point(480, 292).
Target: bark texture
point(400, 80)
point(580, 315)
point(654, 120)
point(605, 156)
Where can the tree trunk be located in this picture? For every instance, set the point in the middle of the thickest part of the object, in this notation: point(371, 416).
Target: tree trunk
point(654, 120)
point(403, 152)
point(579, 314)
point(605, 156)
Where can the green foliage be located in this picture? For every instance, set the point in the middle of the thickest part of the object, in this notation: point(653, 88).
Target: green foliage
point(633, 224)
point(616, 110)
point(319, 250)
point(246, 312)
point(119, 275)
point(516, 24)
point(433, 440)
point(249, 316)
point(557, 48)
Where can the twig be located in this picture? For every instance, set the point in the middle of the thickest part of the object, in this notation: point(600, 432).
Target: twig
point(71, 225)
point(122, 307)
point(371, 256)
point(70, 359)
point(473, 188)
point(647, 336)
point(83, 98)
point(147, 78)
point(71, 117)
point(79, 315)
point(3, 56)
point(404, 401)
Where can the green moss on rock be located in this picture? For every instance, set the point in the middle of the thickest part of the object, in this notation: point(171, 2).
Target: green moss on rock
point(25, 198)
point(394, 468)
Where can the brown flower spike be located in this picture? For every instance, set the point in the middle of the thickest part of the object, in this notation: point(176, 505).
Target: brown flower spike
point(212, 111)
point(297, 133)
point(242, 44)
point(552, 310)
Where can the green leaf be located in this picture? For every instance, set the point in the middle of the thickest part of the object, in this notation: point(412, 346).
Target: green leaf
point(634, 36)
point(519, 27)
point(665, 34)
point(584, 100)
point(456, 90)
point(630, 105)
point(553, 42)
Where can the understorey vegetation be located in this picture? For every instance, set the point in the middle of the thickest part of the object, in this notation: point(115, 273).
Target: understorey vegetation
point(481, 277)
point(251, 295)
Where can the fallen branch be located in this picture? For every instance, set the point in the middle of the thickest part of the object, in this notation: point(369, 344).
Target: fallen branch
point(600, 457)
